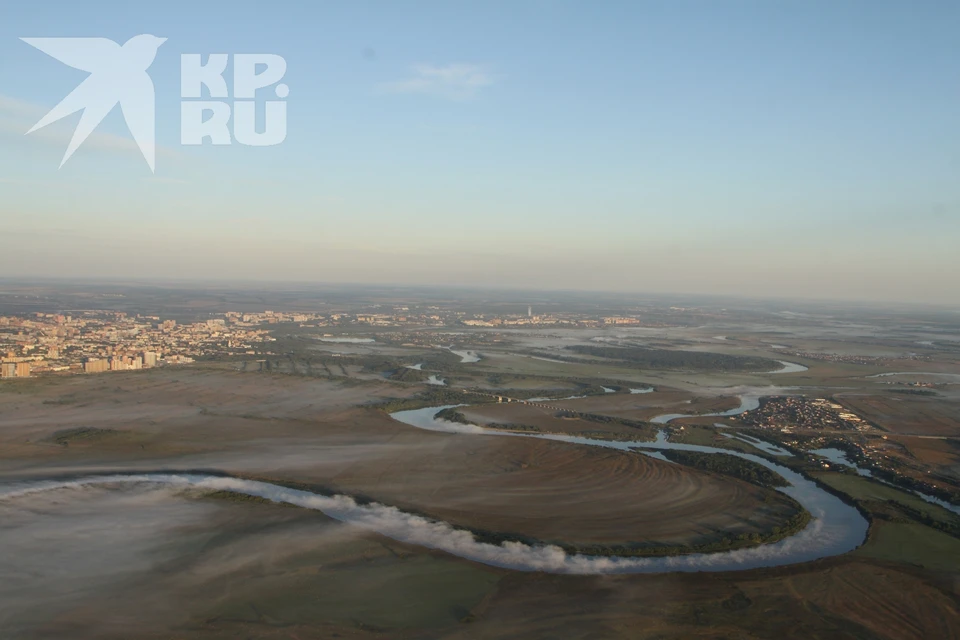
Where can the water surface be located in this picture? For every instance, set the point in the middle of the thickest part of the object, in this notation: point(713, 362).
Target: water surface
point(466, 356)
point(790, 367)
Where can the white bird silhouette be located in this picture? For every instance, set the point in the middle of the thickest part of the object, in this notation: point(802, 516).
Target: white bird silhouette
point(117, 75)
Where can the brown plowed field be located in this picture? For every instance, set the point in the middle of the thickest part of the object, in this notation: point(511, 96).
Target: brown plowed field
point(836, 599)
point(906, 414)
point(556, 491)
point(310, 430)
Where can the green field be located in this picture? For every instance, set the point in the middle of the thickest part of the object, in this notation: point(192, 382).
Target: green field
point(710, 437)
point(913, 544)
point(863, 489)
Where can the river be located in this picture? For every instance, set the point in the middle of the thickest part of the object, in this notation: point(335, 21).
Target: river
point(790, 367)
point(466, 357)
point(748, 402)
point(836, 527)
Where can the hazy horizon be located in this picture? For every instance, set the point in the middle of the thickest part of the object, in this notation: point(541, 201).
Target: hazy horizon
point(519, 295)
point(804, 150)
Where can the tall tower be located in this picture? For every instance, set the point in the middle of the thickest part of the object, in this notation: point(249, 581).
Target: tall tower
point(530, 311)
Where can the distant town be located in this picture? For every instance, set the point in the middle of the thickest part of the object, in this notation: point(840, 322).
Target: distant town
point(97, 341)
point(788, 413)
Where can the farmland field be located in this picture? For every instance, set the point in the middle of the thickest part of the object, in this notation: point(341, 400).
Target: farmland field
point(222, 565)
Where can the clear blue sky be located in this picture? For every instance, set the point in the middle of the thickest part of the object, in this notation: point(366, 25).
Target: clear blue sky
point(806, 148)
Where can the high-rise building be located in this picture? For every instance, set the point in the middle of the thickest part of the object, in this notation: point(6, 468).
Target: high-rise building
point(23, 369)
point(96, 365)
point(530, 311)
point(149, 359)
point(8, 370)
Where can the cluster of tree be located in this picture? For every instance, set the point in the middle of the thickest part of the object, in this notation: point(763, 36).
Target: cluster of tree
point(911, 484)
point(646, 429)
point(233, 496)
point(855, 455)
point(728, 465)
point(406, 374)
point(526, 394)
point(673, 359)
point(513, 426)
point(915, 392)
point(453, 415)
point(618, 386)
point(376, 364)
point(612, 436)
point(728, 542)
point(316, 365)
point(321, 363)
point(442, 361)
point(591, 390)
point(497, 379)
point(582, 388)
point(429, 398)
point(896, 512)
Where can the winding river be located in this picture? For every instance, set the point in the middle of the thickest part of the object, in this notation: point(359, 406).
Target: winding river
point(836, 527)
point(790, 367)
point(748, 402)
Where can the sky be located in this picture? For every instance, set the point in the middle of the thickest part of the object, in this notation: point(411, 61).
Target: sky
point(792, 149)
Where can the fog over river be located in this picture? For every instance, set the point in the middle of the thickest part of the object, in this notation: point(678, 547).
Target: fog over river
point(836, 527)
